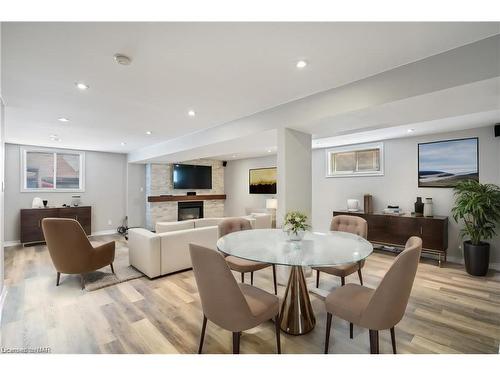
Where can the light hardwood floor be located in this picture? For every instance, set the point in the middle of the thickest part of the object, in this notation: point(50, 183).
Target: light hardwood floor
point(449, 312)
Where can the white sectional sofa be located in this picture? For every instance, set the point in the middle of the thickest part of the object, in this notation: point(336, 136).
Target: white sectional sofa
point(167, 250)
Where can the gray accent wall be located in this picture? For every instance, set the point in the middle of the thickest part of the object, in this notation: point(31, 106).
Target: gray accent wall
point(136, 195)
point(237, 188)
point(105, 191)
point(399, 184)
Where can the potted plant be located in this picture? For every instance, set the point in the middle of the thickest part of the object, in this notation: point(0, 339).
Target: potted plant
point(478, 206)
point(295, 225)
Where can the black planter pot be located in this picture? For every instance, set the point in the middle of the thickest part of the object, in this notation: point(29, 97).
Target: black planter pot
point(477, 258)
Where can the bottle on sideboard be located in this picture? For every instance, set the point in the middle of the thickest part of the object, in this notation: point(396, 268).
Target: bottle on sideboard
point(419, 207)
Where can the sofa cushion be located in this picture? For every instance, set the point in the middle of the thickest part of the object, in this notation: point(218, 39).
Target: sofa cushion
point(171, 226)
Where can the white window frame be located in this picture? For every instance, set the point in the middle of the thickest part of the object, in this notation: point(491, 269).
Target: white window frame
point(353, 148)
point(55, 151)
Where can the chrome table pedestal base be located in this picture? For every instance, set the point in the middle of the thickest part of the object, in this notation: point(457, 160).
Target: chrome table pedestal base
point(297, 315)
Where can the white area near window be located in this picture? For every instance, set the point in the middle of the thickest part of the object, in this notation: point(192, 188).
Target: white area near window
point(52, 170)
point(356, 160)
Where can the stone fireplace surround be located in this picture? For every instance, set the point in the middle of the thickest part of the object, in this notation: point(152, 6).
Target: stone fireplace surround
point(159, 182)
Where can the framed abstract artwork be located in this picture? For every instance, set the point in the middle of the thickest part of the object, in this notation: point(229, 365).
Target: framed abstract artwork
point(262, 180)
point(443, 164)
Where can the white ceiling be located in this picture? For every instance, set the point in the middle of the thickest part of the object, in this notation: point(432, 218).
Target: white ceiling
point(224, 71)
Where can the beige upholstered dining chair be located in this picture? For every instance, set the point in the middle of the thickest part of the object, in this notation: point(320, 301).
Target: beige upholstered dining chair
point(381, 308)
point(352, 224)
point(242, 265)
point(232, 306)
point(71, 251)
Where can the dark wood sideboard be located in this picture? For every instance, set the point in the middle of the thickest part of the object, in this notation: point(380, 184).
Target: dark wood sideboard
point(394, 230)
point(31, 220)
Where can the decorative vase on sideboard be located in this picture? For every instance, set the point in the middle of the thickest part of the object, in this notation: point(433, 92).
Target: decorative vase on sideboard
point(419, 207)
point(428, 207)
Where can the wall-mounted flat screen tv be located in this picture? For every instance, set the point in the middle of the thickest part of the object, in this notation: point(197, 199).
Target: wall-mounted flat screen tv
point(262, 181)
point(187, 176)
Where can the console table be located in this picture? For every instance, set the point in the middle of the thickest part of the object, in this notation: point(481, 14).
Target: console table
point(394, 230)
point(31, 220)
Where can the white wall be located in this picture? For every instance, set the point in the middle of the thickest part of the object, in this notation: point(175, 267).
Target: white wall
point(105, 191)
point(399, 184)
point(236, 185)
point(2, 166)
point(136, 195)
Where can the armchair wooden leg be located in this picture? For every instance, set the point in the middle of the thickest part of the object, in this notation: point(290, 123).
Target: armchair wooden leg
point(317, 278)
point(373, 342)
point(351, 328)
point(112, 268)
point(82, 281)
point(251, 278)
point(328, 328)
point(202, 337)
point(342, 280)
point(58, 278)
point(277, 323)
point(236, 342)
point(360, 277)
point(393, 339)
point(274, 280)
point(242, 277)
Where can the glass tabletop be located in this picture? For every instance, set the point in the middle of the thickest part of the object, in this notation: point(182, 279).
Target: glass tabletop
point(316, 249)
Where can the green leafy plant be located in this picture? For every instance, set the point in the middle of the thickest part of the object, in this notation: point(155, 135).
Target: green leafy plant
point(295, 221)
point(478, 206)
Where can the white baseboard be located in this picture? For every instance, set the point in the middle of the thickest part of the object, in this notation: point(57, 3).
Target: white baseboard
point(104, 232)
point(460, 260)
point(3, 295)
point(98, 233)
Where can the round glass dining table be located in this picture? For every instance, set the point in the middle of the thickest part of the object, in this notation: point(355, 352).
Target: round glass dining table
point(314, 250)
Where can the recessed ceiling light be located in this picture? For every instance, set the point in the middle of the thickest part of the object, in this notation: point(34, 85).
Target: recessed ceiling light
point(149, 132)
point(233, 156)
point(123, 143)
point(411, 130)
point(54, 137)
point(122, 59)
point(301, 64)
point(63, 119)
point(191, 113)
point(269, 150)
point(82, 86)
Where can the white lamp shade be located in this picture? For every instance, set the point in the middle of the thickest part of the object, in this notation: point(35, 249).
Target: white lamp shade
point(271, 203)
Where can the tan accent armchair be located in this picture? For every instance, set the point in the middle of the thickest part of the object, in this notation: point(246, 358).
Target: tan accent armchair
point(381, 308)
point(242, 265)
point(350, 224)
point(232, 306)
point(71, 250)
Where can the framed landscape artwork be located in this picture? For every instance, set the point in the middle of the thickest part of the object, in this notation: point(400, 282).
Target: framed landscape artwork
point(444, 163)
point(262, 181)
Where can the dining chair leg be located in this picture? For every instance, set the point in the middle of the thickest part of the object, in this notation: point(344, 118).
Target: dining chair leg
point(251, 278)
point(373, 342)
point(274, 280)
point(277, 323)
point(317, 278)
point(236, 342)
point(351, 328)
point(112, 268)
point(328, 328)
point(58, 278)
point(202, 336)
point(342, 280)
point(393, 339)
point(82, 281)
point(360, 277)
point(242, 277)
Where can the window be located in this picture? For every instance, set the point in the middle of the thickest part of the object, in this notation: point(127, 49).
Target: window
point(358, 160)
point(52, 170)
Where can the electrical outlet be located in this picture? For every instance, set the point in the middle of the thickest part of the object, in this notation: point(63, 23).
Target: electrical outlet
point(110, 222)
point(142, 189)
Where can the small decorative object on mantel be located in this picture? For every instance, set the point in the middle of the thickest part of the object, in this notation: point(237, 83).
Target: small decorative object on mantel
point(45, 202)
point(75, 200)
point(428, 207)
point(37, 203)
point(295, 225)
point(368, 203)
point(419, 207)
point(352, 205)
